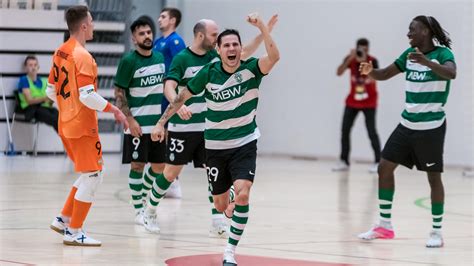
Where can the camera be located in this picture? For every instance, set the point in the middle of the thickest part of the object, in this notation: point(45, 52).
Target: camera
point(360, 53)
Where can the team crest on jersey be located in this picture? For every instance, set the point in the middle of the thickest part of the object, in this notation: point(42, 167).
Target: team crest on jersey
point(172, 157)
point(135, 155)
point(238, 77)
point(176, 42)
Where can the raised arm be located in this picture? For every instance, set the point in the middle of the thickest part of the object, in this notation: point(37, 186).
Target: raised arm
point(251, 47)
point(158, 131)
point(266, 62)
point(345, 63)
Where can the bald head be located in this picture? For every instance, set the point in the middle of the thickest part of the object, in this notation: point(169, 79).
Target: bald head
point(203, 26)
point(205, 34)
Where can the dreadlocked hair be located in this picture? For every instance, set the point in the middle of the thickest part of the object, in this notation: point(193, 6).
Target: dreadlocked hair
point(439, 34)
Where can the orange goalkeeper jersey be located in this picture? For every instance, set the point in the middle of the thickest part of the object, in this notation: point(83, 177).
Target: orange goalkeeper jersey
point(73, 68)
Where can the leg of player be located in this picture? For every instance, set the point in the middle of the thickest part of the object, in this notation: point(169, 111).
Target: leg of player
point(61, 221)
point(239, 219)
point(135, 183)
point(148, 179)
point(437, 210)
point(158, 190)
point(384, 227)
point(86, 188)
point(226, 203)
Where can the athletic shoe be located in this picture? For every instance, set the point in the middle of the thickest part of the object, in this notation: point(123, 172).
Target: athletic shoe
point(435, 240)
point(79, 239)
point(218, 228)
point(340, 167)
point(139, 217)
point(374, 168)
point(150, 223)
point(58, 225)
point(229, 259)
point(378, 232)
point(174, 191)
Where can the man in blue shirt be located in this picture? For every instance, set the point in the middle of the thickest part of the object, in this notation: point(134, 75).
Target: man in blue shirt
point(32, 95)
point(169, 44)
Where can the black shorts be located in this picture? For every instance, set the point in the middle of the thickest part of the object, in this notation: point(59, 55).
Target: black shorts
point(422, 148)
point(184, 147)
point(142, 149)
point(226, 166)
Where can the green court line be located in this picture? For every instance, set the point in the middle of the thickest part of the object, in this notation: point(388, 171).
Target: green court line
point(420, 203)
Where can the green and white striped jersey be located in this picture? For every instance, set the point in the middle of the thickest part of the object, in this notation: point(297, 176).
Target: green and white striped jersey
point(186, 64)
point(142, 79)
point(231, 101)
point(426, 93)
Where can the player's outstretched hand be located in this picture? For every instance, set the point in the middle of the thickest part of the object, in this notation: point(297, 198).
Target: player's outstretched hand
point(184, 113)
point(158, 133)
point(365, 68)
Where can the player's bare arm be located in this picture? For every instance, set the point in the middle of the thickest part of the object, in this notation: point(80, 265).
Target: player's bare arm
point(170, 94)
point(266, 62)
point(366, 68)
point(121, 101)
point(158, 131)
point(250, 48)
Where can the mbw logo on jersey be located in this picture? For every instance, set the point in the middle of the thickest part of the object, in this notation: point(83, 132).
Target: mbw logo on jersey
point(419, 76)
point(231, 92)
point(151, 80)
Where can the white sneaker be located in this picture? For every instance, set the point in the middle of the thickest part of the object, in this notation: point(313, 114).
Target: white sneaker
point(229, 259)
point(218, 228)
point(150, 223)
point(58, 225)
point(378, 231)
point(79, 239)
point(435, 240)
point(374, 168)
point(139, 217)
point(340, 166)
point(174, 191)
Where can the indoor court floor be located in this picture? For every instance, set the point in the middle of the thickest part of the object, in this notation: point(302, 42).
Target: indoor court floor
point(301, 213)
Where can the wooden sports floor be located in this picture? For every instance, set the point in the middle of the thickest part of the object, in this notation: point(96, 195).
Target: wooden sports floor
point(301, 213)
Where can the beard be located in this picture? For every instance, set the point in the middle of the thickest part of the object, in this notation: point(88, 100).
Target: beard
point(145, 46)
point(206, 45)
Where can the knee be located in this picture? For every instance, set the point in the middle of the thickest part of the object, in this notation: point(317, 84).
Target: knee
point(87, 185)
point(384, 170)
point(242, 197)
point(171, 173)
point(137, 167)
point(158, 167)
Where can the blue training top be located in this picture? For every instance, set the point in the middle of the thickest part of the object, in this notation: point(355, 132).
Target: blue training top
point(169, 47)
